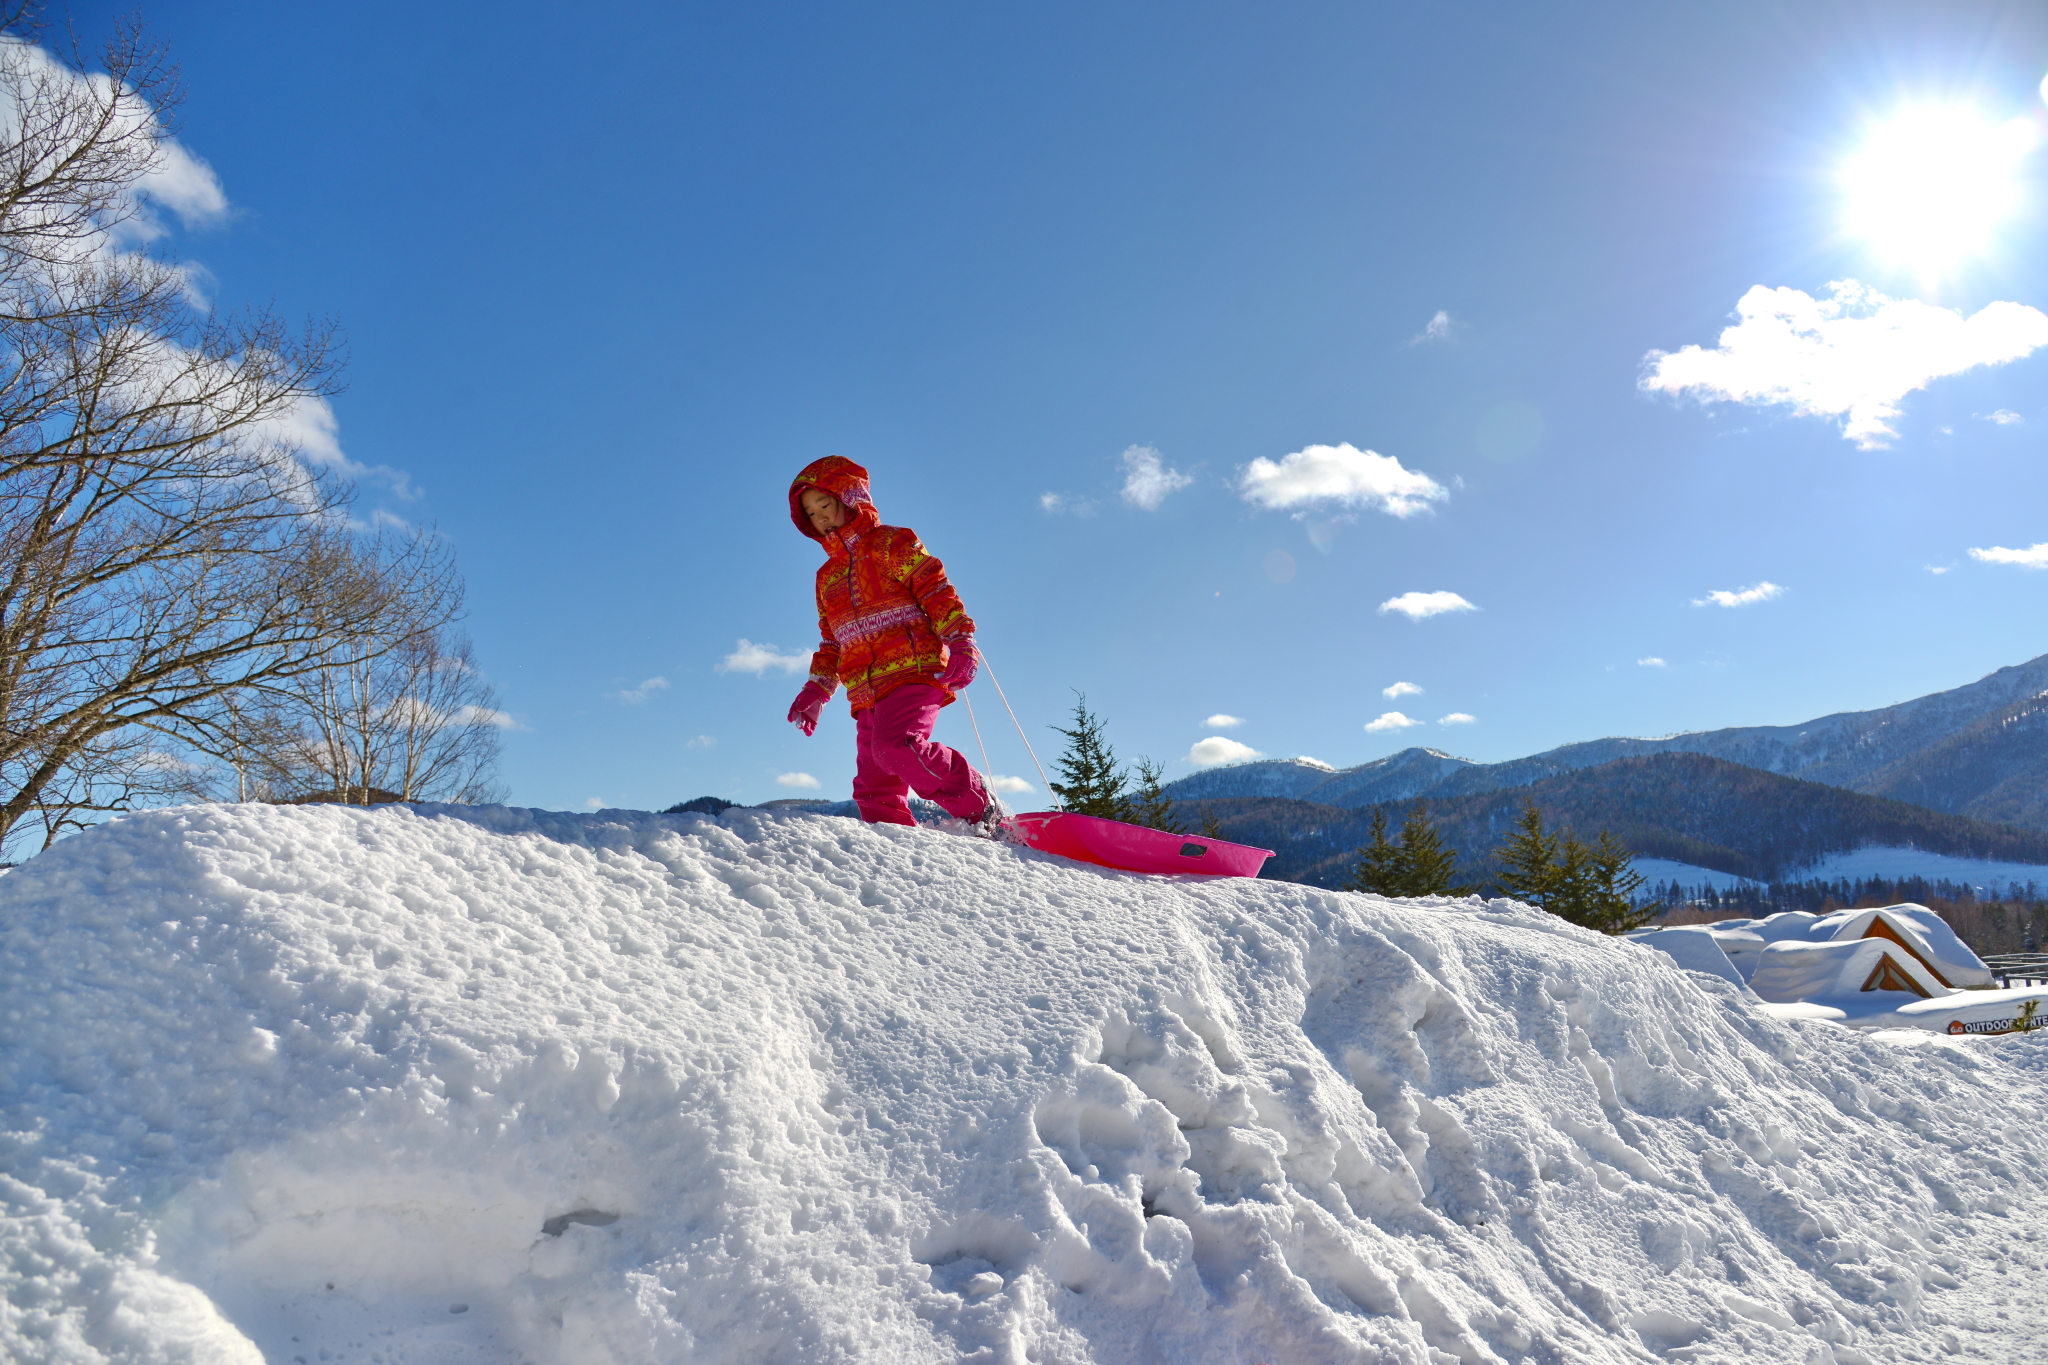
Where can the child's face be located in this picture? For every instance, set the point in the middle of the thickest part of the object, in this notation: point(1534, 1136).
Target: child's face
point(826, 512)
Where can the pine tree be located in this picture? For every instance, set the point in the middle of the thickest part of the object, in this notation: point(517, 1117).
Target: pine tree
point(1152, 807)
point(1528, 860)
point(1210, 829)
point(1426, 865)
point(1571, 896)
point(1614, 886)
point(1381, 870)
point(1592, 885)
point(1094, 785)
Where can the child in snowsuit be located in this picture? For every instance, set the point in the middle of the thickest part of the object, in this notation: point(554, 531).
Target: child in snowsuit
point(892, 629)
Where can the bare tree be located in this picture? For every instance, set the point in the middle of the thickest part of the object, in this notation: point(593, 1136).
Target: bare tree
point(388, 705)
point(173, 561)
point(410, 720)
point(74, 145)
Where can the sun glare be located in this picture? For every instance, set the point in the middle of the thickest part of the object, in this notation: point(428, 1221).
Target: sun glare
point(1931, 185)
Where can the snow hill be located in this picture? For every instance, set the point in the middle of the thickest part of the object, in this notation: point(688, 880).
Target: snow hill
point(430, 1084)
point(1979, 750)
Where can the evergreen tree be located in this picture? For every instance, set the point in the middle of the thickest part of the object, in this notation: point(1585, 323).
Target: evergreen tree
point(1588, 884)
point(1528, 860)
point(1426, 865)
point(1381, 870)
point(1152, 807)
point(1093, 784)
point(1210, 829)
point(1614, 885)
point(1571, 895)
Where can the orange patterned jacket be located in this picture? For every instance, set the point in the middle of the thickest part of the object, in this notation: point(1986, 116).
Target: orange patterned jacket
point(885, 609)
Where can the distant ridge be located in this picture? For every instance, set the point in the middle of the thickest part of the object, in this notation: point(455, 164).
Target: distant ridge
point(1979, 750)
point(1690, 808)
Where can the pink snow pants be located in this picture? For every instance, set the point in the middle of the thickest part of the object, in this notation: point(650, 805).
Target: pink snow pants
point(896, 755)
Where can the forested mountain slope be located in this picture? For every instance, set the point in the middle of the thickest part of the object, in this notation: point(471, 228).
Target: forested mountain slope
point(1978, 750)
point(1691, 808)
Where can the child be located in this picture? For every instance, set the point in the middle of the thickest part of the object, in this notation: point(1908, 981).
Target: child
point(893, 630)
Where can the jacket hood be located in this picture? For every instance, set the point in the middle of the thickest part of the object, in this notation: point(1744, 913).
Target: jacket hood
point(844, 480)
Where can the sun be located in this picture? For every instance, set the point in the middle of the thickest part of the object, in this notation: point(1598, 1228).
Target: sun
point(1931, 185)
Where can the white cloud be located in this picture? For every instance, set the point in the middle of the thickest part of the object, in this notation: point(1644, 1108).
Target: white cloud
point(2005, 417)
point(1439, 328)
point(1416, 605)
point(1147, 480)
point(482, 715)
point(647, 688)
point(1741, 597)
point(311, 434)
point(179, 181)
point(1392, 720)
point(1011, 786)
point(1853, 355)
point(1939, 569)
point(1400, 690)
point(1054, 504)
point(198, 284)
point(411, 711)
point(701, 742)
point(1341, 475)
point(1219, 721)
point(310, 428)
point(804, 780)
point(2034, 558)
point(1209, 752)
point(597, 803)
point(186, 185)
point(758, 659)
point(1652, 662)
point(1459, 718)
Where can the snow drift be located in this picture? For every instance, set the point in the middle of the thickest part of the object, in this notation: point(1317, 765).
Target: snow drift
point(434, 1083)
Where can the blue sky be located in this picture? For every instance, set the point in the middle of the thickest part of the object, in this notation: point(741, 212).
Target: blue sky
point(612, 276)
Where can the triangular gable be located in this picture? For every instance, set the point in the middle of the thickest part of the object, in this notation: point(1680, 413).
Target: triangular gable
point(1887, 924)
point(1887, 976)
point(1884, 926)
point(1790, 970)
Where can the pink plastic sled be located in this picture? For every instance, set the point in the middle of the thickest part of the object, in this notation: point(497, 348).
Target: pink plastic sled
point(1133, 848)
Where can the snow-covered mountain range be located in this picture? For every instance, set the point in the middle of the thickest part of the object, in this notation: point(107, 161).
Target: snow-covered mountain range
point(1978, 750)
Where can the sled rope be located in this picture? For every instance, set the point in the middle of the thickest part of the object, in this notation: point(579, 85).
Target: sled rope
point(988, 769)
point(1014, 721)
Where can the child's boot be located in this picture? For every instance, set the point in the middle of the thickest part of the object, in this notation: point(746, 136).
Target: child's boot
point(993, 823)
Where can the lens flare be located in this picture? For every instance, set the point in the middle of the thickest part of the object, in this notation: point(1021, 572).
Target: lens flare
point(1931, 185)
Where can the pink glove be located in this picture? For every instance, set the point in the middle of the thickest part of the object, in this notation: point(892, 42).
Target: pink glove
point(959, 670)
point(803, 712)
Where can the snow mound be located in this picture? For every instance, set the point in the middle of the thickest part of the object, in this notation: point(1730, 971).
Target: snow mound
point(489, 1085)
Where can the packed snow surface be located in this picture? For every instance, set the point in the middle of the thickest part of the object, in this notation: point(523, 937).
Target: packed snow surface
point(431, 1084)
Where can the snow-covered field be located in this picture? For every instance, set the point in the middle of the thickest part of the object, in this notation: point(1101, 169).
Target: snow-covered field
point(1986, 875)
point(437, 1085)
